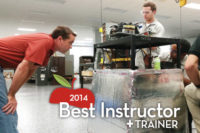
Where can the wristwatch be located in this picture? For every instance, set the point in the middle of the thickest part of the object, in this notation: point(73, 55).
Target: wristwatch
point(198, 86)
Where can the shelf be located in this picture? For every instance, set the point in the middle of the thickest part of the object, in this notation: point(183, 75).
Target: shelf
point(87, 64)
point(133, 42)
point(137, 41)
point(105, 64)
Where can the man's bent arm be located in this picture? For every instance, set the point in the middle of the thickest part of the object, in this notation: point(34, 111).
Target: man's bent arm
point(191, 67)
point(24, 70)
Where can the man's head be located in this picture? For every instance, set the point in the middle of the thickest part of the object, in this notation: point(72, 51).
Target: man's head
point(63, 38)
point(185, 47)
point(148, 11)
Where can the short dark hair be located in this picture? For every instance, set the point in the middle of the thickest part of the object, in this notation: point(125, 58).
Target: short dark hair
point(62, 31)
point(150, 4)
point(185, 46)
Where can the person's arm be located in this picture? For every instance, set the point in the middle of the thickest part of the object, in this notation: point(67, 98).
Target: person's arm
point(191, 67)
point(23, 72)
point(186, 81)
point(158, 32)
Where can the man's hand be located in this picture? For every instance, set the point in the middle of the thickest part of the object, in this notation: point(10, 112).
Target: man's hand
point(153, 48)
point(11, 106)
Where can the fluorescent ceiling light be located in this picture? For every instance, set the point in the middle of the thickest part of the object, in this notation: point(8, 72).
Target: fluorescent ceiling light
point(39, 12)
point(26, 29)
point(193, 6)
point(55, 1)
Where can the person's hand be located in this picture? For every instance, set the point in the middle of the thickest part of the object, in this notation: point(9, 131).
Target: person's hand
point(11, 106)
point(147, 61)
point(153, 48)
point(163, 78)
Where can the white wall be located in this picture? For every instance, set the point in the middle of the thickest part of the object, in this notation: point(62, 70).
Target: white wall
point(83, 45)
point(80, 51)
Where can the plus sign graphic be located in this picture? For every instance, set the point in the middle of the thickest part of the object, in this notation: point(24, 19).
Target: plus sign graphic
point(129, 123)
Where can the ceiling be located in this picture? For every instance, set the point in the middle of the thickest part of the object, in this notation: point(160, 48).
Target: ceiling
point(44, 15)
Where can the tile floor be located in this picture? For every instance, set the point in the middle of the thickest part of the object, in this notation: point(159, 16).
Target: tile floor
point(37, 115)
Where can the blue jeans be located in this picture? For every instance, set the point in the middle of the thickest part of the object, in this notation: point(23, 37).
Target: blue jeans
point(8, 123)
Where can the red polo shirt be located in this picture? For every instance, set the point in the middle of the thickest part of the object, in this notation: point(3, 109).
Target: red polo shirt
point(36, 48)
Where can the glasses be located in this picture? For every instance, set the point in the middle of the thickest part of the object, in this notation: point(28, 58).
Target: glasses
point(145, 12)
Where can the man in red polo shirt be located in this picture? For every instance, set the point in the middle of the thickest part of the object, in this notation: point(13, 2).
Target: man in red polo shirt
point(26, 53)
